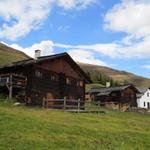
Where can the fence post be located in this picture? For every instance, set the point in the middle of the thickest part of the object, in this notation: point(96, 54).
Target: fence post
point(99, 104)
point(10, 87)
point(78, 105)
point(64, 103)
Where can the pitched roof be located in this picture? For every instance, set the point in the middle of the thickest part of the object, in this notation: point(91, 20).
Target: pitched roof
point(48, 58)
point(143, 90)
point(105, 91)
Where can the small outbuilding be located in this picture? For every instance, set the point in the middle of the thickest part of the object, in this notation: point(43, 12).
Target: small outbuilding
point(143, 99)
point(125, 94)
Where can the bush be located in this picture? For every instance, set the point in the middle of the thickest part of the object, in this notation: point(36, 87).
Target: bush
point(3, 97)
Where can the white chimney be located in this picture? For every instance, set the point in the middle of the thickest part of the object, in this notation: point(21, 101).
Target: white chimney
point(107, 84)
point(37, 53)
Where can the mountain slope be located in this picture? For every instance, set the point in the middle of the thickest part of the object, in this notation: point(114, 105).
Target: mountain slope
point(120, 76)
point(8, 55)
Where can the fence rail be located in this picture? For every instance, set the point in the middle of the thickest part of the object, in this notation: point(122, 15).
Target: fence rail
point(80, 105)
point(76, 104)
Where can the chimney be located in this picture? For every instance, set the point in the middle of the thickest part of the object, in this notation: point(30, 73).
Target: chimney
point(37, 53)
point(108, 84)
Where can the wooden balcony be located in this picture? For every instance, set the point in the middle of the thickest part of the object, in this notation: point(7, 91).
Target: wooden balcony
point(13, 81)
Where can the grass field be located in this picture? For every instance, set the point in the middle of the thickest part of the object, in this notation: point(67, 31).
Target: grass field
point(24, 128)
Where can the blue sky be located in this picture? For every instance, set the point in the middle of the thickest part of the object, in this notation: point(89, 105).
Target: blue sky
point(114, 33)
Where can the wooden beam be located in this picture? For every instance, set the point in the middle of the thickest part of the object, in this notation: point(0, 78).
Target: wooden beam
point(10, 87)
point(13, 74)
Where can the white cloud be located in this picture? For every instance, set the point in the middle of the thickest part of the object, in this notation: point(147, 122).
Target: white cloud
point(112, 50)
point(130, 16)
point(115, 50)
point(146, 66)
point(46, 48)
point(22, 16)
point(63, 28)
point(78, 4)
point(85, 56)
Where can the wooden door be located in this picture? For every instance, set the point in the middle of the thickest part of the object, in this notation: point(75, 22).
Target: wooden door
point(50, 98)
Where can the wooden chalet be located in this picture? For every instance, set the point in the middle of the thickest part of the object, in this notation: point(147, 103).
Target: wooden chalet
point(118, 95)
point(49, 77)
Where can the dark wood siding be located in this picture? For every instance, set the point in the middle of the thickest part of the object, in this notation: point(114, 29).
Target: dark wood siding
point(61, 66)
point(127, 95)
point(41, 83)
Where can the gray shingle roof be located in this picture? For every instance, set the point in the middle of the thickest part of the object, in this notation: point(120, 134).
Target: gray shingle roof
point(106, 91)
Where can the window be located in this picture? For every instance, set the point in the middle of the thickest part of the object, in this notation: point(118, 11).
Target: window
point(113, 94)
point(54, 77)
point(144, 104)
point(80, 83)
point(38, 74)
point(147, 94)
point(148, 105)
point(68, 81)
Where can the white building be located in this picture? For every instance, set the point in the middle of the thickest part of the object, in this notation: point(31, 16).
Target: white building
point(143, 101)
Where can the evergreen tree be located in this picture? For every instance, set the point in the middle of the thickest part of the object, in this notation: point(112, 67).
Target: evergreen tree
point(101, 78)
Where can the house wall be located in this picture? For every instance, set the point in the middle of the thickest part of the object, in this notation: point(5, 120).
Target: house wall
point(129, 96)
point(125, 96)
point(55, 80)
point(61, 65)
point(144, 100)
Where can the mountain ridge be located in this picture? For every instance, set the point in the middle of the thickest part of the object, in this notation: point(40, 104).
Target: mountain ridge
point(117, 75)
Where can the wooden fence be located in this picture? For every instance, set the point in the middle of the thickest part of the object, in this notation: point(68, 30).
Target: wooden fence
point(72, 104)
point(64, 103)
point(140, 110)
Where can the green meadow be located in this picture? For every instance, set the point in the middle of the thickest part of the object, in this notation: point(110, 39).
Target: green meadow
point(27, 128)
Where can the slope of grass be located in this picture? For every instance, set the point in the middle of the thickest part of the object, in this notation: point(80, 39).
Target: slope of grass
point(93, 85)
point(24, 128)
point(8, 55)
point(116, 75)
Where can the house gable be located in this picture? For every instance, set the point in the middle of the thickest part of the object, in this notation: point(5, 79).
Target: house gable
point(61, 66)
point(144, 100)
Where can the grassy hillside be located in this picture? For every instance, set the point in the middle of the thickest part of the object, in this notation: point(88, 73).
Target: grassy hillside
point(93, 85)
point(8, 55)
point(23, 128)
point(117, 75)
